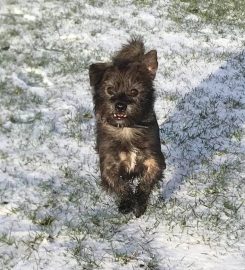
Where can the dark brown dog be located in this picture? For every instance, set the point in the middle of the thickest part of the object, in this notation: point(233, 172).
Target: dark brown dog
point(127, 131)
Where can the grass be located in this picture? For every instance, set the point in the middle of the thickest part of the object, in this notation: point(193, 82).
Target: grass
point(51, 180)
point(7, 239)
point(227, 13)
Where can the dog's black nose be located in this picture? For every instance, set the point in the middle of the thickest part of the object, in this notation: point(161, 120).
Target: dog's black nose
point(120, 107)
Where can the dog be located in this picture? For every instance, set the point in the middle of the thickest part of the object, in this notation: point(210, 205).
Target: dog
point(128, 140)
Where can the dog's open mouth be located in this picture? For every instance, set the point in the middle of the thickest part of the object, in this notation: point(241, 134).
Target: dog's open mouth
point(120, 116)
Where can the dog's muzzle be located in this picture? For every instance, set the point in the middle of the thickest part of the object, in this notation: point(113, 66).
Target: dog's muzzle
point(120, 108)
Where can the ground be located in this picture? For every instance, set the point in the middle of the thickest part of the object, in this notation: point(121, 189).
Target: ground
point(53, 212)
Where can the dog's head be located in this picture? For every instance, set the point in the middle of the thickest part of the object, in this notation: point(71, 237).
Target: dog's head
point(123, 89)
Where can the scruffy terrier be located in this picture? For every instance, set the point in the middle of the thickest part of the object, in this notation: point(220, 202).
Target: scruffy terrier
point(127, 131)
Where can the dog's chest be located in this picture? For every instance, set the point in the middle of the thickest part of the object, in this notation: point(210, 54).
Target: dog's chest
point(128, 159)
point(123, 134)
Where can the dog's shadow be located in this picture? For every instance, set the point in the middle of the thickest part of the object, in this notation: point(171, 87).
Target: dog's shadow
point(206, 122)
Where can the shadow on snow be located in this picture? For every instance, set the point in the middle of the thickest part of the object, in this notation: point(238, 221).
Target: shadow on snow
point(207, 121)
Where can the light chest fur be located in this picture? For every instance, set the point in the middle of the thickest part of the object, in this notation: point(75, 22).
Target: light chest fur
point(123, 134)
point(128, 159)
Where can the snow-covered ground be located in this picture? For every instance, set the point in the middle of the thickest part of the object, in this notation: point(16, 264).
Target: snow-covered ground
point(53, 213)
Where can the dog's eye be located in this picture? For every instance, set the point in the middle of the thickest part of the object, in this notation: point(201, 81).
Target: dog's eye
point(110, 90)
point(134, 92)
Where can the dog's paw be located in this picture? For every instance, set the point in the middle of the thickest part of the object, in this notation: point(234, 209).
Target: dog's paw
point(139, 209)
point(126, 206)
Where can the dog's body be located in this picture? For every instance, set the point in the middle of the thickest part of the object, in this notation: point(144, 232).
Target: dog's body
point(127, 131)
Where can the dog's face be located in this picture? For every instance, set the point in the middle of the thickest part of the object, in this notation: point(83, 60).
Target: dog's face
point(123, 92)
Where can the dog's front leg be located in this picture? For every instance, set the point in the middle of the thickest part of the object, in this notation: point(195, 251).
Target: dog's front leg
point(152, 174)
point(113, 180)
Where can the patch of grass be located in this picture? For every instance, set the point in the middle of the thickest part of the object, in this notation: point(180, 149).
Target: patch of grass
point(143, 2)
point(72, 63)
point(46, 221)
point(172, 97)
point(16, 119)
point(83, 253)
point(233, 103)
point(74, 123)
point(38, 218)
point(32, 78)
point(96, 3)
point(6, 261)
point(217, 13)
point(32, 243)
point(7, 57)
point(238, 135)
point(17, 98)
point(123, 258)
point(153, 264)
point(210, 206)
point(7, 239)
point(3, 154)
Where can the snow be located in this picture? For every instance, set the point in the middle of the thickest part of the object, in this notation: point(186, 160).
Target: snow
point(53, 212)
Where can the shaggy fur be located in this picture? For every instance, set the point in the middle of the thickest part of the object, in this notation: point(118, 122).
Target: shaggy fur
point(127, 131)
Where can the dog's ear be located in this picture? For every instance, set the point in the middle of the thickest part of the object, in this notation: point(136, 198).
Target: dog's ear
point(150, 60)
point(96, 72)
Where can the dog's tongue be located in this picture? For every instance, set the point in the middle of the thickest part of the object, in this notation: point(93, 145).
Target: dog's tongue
point(120, 116)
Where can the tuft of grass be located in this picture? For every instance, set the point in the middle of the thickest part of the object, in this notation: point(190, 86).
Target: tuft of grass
point(123, 258)
point(46, 221)
point(7, 239)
